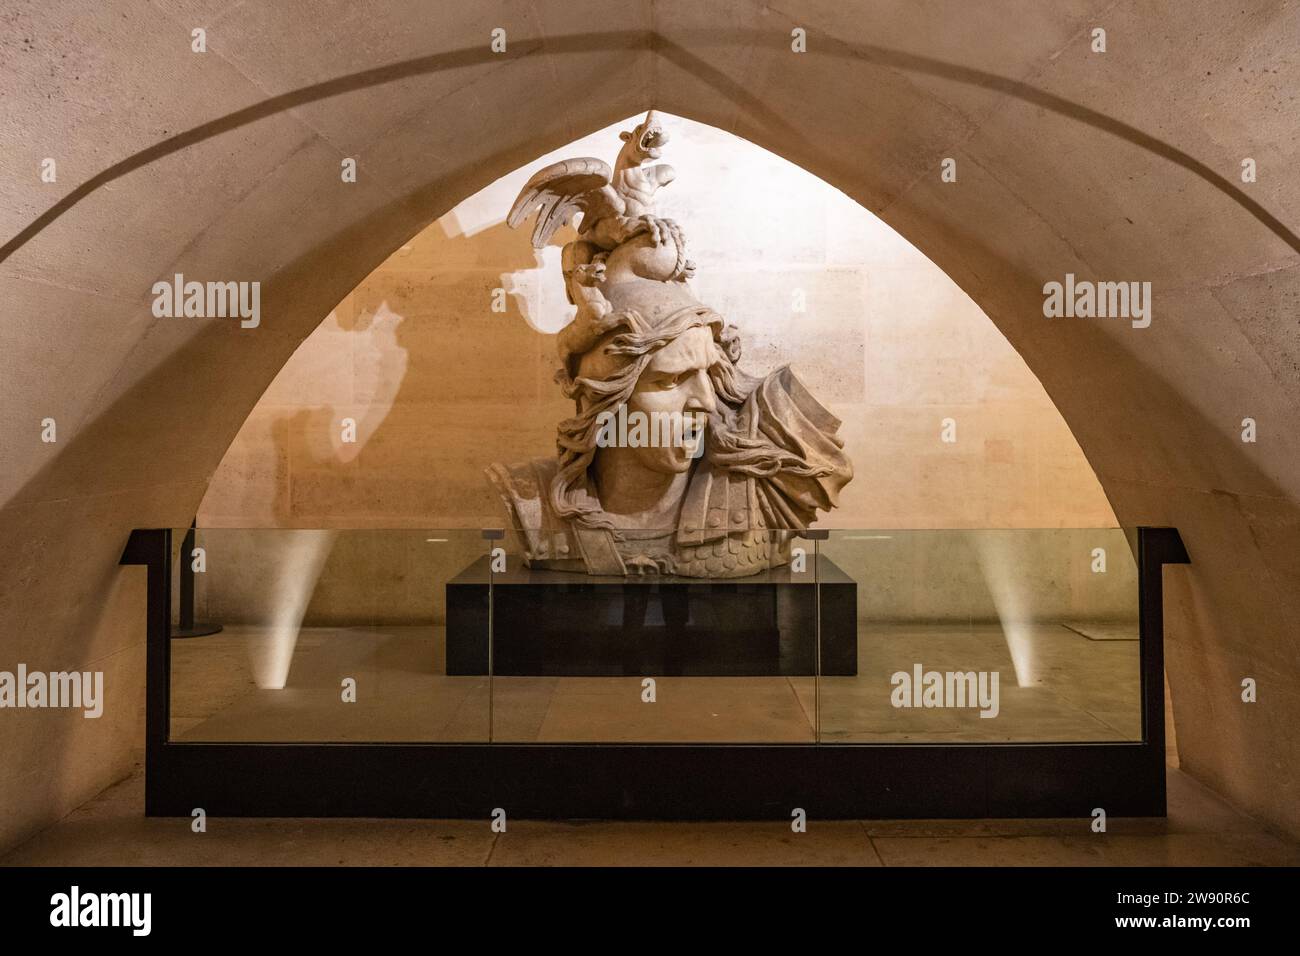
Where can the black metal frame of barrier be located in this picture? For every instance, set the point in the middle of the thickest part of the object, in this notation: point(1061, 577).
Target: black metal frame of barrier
point(656, 781)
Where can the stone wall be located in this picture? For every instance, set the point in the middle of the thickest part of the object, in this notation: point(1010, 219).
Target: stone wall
point(280, 578)
point(1121, 166)
point(440, 385)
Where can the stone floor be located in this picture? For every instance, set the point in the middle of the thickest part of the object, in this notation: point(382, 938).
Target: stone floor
point(1073, 685)
point(1058, 682)
point(1200, 830)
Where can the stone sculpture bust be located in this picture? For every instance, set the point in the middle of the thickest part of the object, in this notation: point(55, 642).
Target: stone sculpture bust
point(675, 461)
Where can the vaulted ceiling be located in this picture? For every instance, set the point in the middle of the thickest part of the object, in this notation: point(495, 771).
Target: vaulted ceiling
point(1116, 166)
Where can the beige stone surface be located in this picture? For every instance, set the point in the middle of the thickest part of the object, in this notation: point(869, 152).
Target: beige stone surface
point(358, 575)
point(1122, 165)
point(1054, 685)
point(441, 386)
point(1201, 830)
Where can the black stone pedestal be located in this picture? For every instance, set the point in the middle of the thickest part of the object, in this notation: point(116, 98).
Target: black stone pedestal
point(559, 623)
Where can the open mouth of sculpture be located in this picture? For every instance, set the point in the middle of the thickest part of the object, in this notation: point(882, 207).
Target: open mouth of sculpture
point(653, 138)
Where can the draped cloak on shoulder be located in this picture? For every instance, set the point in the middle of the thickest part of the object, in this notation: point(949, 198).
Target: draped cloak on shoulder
point(749, 509)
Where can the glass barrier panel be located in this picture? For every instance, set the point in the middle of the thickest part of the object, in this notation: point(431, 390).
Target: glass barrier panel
point(332, 636)
point(748, 636)
point(981, 637)
point(709, 638)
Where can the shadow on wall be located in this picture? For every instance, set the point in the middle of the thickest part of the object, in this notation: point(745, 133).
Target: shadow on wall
point(385, 418)
point(412, 379)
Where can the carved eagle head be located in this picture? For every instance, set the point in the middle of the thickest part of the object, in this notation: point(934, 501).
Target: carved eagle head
point(647, 140)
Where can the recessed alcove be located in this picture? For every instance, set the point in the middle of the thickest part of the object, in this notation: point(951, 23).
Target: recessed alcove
point(440, 384)
point(355, 490)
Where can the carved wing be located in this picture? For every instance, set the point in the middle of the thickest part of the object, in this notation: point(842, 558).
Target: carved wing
point(561, 189)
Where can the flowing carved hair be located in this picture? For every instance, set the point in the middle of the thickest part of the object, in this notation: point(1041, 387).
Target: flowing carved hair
point(727, 448)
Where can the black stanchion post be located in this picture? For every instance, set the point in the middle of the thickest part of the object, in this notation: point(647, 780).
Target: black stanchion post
point(186, 626)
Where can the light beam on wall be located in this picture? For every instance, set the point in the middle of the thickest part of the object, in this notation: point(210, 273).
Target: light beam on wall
point(300, 556)
point(996, 553)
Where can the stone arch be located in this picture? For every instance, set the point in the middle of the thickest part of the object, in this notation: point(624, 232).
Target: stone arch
point(149, 406)
point(303, 407)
